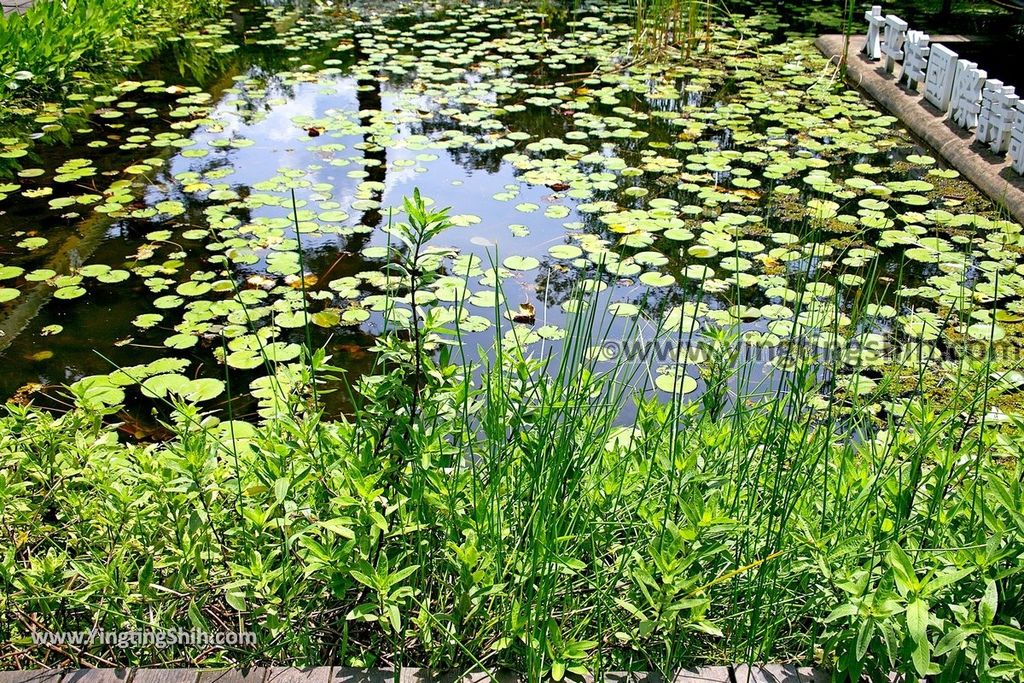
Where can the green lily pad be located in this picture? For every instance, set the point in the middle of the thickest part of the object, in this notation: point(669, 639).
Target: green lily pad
point(986, 332)
point(521, 263)
point(72, 292)
point(676, 382)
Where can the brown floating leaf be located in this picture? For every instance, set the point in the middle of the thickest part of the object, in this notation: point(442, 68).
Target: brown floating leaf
point(526, 314)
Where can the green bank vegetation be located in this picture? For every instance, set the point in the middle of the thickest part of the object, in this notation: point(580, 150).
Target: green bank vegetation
point(497, 512)
point(56, 46)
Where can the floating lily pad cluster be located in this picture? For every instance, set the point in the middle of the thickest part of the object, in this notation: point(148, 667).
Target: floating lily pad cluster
point(743, 189)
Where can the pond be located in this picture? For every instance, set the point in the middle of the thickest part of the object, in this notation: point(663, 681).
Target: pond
point(196, 232)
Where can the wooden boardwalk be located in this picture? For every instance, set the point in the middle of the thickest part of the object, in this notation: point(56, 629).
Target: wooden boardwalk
point(15, 5)
point(771, 673)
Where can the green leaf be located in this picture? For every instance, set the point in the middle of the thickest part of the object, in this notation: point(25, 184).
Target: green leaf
point(202, 389)
point(501, 644)
point(329, 317)
point(847, 610)
point(195, 617)
point(917, 628)
point(98, 391)
point(363, 579)
point(1007, 635)
point(72, 292)
point(906, 577)
point(953, 639)
point(337, 526)
point(917, 620)
point(281, 489)
point(379, 521)
point(181, 341)
point(147, 320)
point(989, 604)
point(942, 580)
point(521, 263)
point(402, 574)
point(160, 385)
point(236, 600)
point(365, 612)
point(395, 617)
point(244, 359)
point(867, 630)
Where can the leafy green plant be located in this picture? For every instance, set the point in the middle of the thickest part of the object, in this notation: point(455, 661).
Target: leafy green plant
point(53, 45)
point(496, 512)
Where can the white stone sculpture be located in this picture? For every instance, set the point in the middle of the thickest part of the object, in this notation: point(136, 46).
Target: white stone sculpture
point(872, 43)
point(965, 103)
point(996, 118)
point(916, 60)
point(938, 82)
point(1017, 140)
point(892, 46)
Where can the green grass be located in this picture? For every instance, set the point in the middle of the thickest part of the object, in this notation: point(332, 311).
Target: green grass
point(54, 45)
point(495, 511)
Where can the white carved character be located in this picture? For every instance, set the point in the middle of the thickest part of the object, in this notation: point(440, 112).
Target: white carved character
point(872, 46)
point(916, 60)
point(996, 118)
point(966, 98)
point(892, 47)
point(938, 82)
point(1017, 140)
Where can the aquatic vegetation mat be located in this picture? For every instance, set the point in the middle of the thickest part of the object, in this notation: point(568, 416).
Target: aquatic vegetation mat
point(743, 189)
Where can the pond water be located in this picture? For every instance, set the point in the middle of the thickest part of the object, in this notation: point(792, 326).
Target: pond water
point(742, 188)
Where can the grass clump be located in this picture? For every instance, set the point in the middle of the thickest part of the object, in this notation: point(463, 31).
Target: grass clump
point(54, 46)
point(496, 512)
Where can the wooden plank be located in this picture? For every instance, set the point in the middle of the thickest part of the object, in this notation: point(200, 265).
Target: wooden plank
point(366, 676)
point(99, 676)
point(630, 677)
point(253, 675)
point(782, 673)
point(165, 676)
point(402, 675)
point(768, 673)
point(290, 674)
point(810, 674)
point(480, 677)
point(474, 677)
point(705, 674)
point(20, 6)
point(32, 676)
